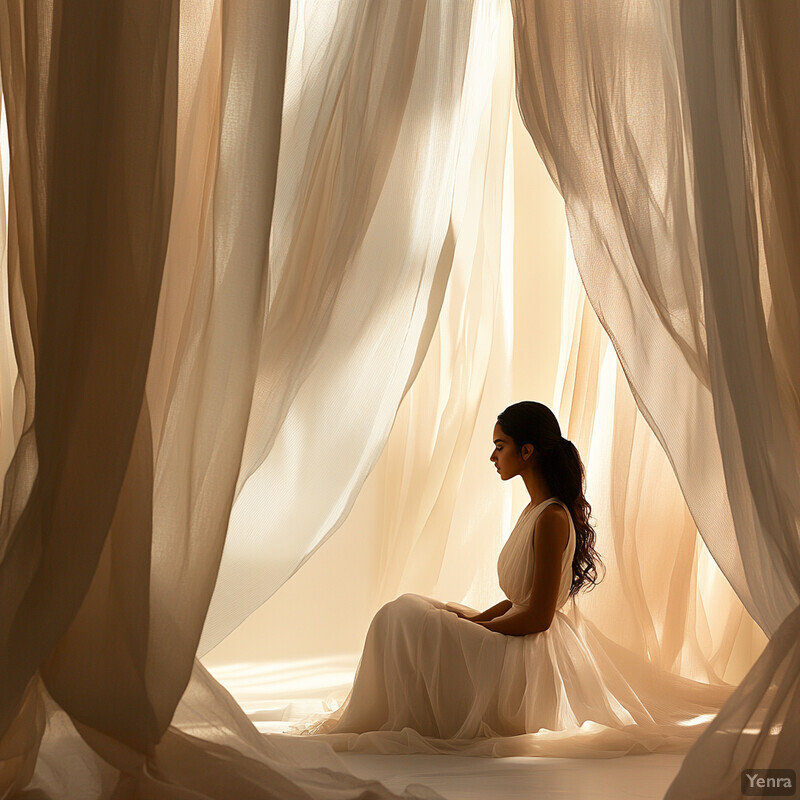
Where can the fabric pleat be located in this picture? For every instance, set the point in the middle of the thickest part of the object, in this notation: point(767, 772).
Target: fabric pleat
point(140, 218)
point(246, 245)
point(85, 262)
point(391, 101)
point(680, 258)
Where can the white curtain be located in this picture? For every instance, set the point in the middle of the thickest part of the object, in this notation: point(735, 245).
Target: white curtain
point(176, 370)
point(385, 172)
point(396, 540)
point(665, 129)
point(289, 197)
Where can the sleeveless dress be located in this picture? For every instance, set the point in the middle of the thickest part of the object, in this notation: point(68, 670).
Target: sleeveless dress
point(427, 675)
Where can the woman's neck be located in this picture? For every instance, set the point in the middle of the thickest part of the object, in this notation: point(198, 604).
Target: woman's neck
point(537, 487)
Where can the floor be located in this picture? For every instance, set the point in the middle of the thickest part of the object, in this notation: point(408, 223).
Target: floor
point(259, 690)
point(464, 778)
point(457, 778)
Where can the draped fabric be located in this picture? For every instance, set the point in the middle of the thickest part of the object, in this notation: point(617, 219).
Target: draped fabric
point(171, 349)
point(648, 541)
point(234, 232)
point(664, 128)
point(81, 332)
point(385, 171)
point(697, 630)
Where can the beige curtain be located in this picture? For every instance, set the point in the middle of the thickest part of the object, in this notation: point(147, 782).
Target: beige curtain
point(295, 655)
point(81, 333)
point(664, 128)
point(381, 101)
point(671, 607)
point(245, 351)
point(156, 406)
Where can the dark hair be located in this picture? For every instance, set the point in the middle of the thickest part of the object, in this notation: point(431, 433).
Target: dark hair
point(534, 423)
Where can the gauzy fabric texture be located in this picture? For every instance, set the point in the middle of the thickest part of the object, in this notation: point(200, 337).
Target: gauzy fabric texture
point(179, 346)
point(430, 681)
point(186, 310)
point(670, 130)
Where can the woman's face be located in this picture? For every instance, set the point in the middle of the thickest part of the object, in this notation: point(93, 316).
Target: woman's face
point(505, 456)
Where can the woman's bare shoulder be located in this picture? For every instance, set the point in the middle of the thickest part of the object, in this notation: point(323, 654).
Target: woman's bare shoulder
point(552, 526)
point(555, 511)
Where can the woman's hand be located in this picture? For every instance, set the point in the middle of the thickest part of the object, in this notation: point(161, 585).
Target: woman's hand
point(463, 614)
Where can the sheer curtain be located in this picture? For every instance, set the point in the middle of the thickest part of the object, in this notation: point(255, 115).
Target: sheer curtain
point(664, 128)
point(397, 540)
point(385, 171)
point(173, 353)
point(157, 405)
point(81, 333)
point(671, 607)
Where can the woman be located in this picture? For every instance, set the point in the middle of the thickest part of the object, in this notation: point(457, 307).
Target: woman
point(448, 672)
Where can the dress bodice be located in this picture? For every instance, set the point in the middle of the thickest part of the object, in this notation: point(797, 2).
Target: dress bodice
point(515, 564)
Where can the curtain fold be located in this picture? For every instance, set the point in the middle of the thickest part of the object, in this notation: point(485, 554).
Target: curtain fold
point(205, 363)
point(9, 433)
point(82, 333)
point(654, 128)
point(742, 195)
point(672, 610)
point(214, 327)
point(413, 530)
point(390, 102)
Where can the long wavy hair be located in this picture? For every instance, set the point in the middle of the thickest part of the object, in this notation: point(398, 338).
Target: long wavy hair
point(534, 423)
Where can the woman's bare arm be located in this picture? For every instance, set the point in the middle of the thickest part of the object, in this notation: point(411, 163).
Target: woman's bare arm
point(495, 611)
point(490, 613)
point(549, 540)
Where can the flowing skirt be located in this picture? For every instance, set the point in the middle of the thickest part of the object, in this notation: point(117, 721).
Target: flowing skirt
point(430, 681)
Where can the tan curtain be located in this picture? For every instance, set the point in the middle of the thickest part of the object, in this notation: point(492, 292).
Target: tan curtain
point(380, 183)
point(92, 164)
point(663, 127)
point(413, 528)
point(184, 345)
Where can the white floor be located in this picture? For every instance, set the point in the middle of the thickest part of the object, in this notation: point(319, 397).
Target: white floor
point(468, 778)
point(259, 689)
point(457, 778)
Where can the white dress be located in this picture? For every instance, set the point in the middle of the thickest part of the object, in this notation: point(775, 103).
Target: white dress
point(430, 681)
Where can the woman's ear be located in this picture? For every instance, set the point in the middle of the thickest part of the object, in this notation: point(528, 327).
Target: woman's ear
point(526, 452)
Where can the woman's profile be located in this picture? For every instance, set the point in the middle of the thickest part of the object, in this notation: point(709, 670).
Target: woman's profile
point(449, 672)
